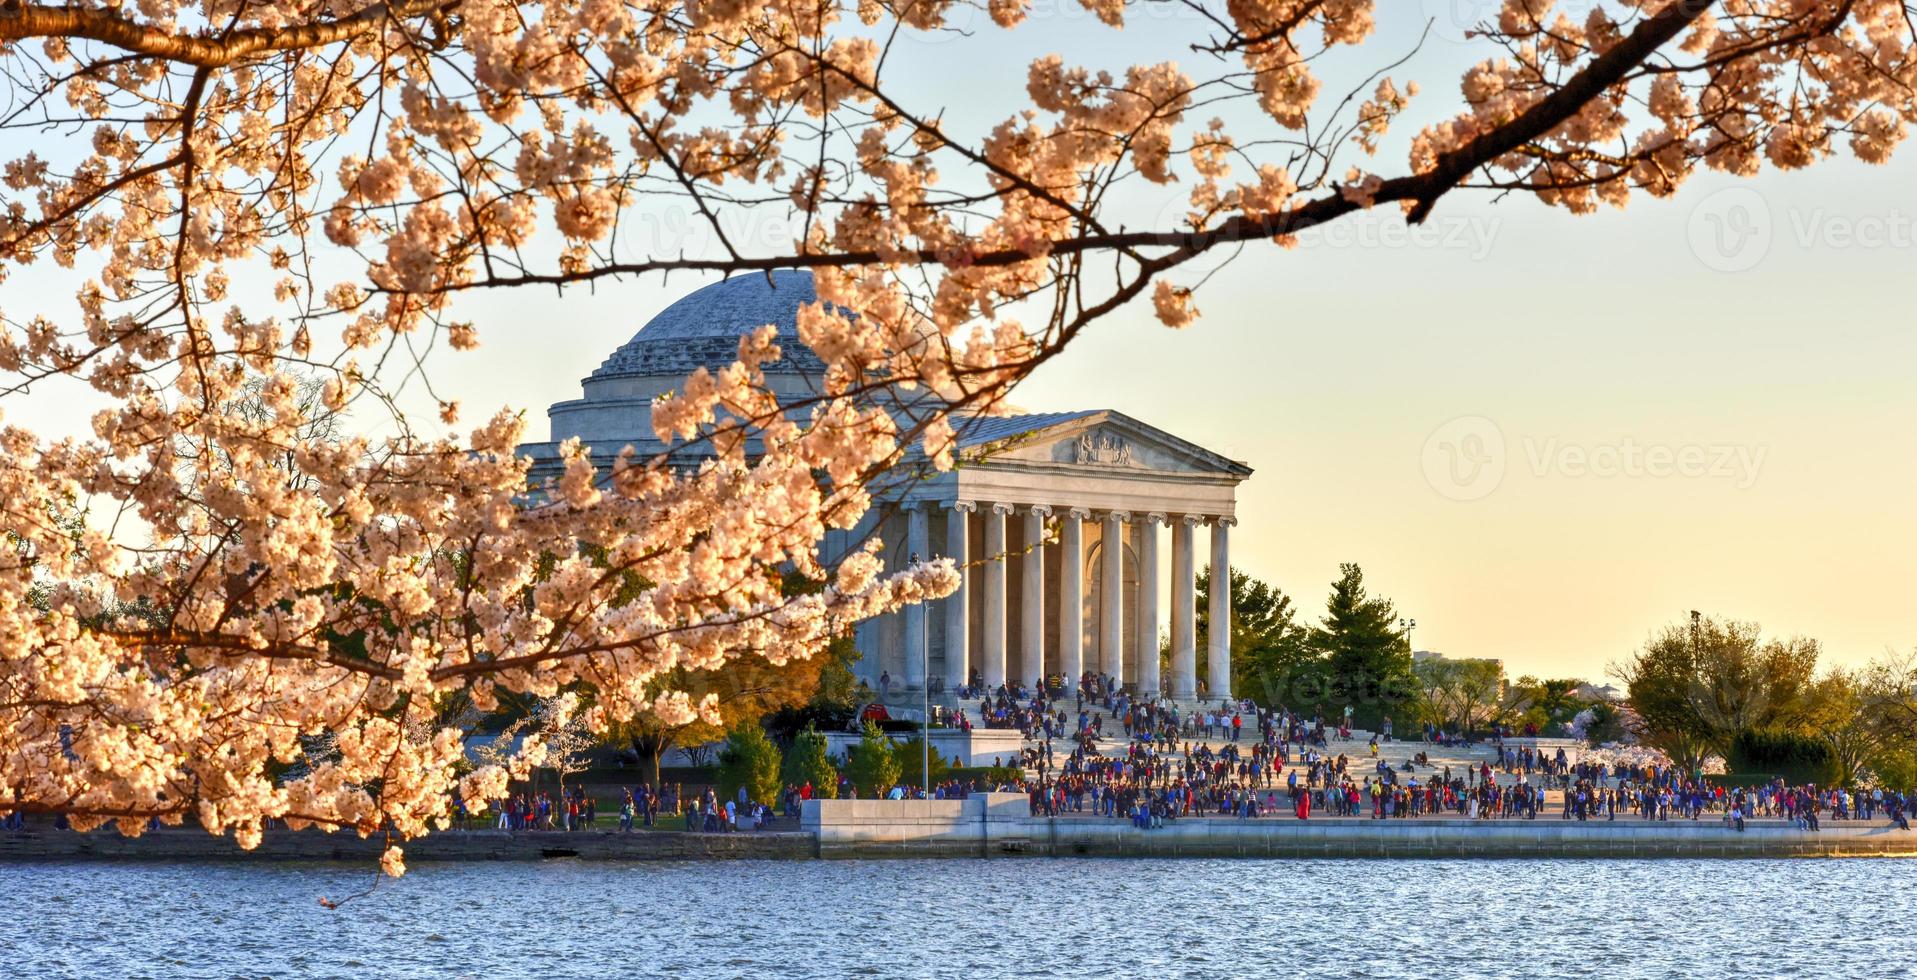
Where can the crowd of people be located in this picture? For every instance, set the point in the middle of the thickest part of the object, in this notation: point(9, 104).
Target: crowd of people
point(1275, 762)
point(1163, 762)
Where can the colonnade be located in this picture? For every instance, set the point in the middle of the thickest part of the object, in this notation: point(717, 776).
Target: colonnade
point(1067, 656)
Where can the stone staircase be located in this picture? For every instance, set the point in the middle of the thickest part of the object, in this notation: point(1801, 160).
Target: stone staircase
point(1356, 749)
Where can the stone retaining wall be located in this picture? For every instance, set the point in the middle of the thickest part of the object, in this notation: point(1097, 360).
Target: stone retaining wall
point(996, 824)
point(913, 827)
point(1544, 837)
point(183, 844)
point(1000, 825)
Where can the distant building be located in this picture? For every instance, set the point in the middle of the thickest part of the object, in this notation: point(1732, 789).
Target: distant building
point(1607, 692)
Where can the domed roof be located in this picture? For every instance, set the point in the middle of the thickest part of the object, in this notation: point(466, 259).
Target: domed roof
point(703, 328)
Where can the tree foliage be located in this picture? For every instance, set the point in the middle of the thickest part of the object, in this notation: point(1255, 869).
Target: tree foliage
point(809, 760)
point(761, 686)
point(749, 759)
point(1367, 658)
point(1778, 753)
point(911, 758)
point(242, 197)
point(745, 690)
point(873, 768)
point(1696, 685)
point(1862, 716)
point(1463, 695)
point(1269, 645)
point(1719, 688)
point(835, 700)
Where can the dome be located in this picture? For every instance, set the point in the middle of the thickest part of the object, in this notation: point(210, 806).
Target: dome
point(703, 328)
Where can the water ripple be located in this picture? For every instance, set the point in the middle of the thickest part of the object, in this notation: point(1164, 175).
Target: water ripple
point(1033, 918)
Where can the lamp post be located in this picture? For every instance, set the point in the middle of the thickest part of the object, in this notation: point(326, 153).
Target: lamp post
point(925, 685)
point(925, 688)
point(1408, 625)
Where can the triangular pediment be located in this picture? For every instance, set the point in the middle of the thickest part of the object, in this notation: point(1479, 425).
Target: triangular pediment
point(1096, 440)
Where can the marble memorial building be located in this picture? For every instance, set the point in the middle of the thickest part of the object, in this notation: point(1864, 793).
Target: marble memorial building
point(1059, 525)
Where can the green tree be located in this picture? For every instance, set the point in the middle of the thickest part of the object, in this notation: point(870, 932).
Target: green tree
point(1896, 769)
point(1859, 715)
point(1779, 753)
point(749, 688)
point(1544, 703)
point(808, 761)
point(1558, 696)
point(749, 759)
point(1895, 677)
point(1697, 685)
point(1269, 646)
point(834, 702)
point(911, 758)
point(872, 767)
point(1368, 659)
point(1607, 723)
point(1461, 694)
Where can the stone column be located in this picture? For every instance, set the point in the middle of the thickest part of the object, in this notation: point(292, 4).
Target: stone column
point(1031, 648)
point(1071, 595)
point(1184, 612)
point(918, 546)
point(1111, 596)
point(1148, 621)
point(958, 618)
point(992, 645)
point(1218, 632)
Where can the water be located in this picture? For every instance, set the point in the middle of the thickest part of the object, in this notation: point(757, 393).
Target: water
point(966, 919)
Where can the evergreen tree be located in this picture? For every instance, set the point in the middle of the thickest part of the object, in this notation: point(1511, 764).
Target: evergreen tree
point(911, 757)
point(1270, 648)
point(1367, 658)
point(749, 759)
point(808, 761)
point(872, 767)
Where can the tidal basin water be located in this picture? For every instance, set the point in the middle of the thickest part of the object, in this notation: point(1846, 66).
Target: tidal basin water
point(968, 919)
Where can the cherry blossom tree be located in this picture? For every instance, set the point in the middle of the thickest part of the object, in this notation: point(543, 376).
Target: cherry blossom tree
point(254, 199)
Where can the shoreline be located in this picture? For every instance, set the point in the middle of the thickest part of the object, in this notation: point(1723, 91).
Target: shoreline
point(999, 825)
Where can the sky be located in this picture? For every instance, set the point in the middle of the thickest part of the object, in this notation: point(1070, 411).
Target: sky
point(1542, 436)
